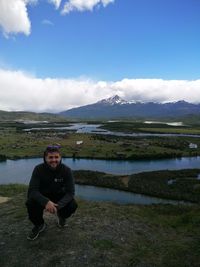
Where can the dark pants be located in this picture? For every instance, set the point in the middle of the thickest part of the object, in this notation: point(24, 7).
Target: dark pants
point(35, 211)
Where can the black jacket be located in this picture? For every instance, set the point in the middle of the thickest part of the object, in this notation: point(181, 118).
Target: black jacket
point(49, 184)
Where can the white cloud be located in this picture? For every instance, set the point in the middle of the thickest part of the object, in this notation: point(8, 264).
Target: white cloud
point(47, 22)
point(21, 91)
point(14, 16)
point(82, 5)
point(159, 90)
point(55, 2)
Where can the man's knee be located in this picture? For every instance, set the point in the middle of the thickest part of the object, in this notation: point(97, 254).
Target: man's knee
point(32, 205)
point(68, 210)
point(72, 205)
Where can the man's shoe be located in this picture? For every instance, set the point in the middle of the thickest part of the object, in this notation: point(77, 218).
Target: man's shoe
point(36, 231)
point(61, 222)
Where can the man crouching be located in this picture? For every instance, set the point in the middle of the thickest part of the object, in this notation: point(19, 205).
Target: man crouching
point(51, 188)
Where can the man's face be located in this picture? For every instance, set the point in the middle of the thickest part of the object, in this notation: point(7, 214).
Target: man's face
point(53, 159)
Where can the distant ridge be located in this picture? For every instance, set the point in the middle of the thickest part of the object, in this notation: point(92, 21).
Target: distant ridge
point(21, 116)
point(116, 107)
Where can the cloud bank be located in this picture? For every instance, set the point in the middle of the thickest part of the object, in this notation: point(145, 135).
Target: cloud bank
point(21, 91)
point(14, 17)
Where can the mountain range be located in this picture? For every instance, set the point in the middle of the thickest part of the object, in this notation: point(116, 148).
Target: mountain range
point(116, 107)
point(113, 108)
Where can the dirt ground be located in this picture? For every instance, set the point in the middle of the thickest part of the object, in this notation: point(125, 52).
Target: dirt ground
point(102, 234)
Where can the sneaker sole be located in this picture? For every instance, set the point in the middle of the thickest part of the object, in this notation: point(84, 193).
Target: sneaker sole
point(42, 230)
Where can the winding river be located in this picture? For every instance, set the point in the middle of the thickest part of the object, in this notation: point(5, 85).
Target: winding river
point(94, 129)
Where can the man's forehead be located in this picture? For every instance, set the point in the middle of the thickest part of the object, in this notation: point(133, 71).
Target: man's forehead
point(52, 154)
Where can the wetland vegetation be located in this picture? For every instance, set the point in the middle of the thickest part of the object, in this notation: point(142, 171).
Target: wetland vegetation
point(176, 185)
point(17, 143)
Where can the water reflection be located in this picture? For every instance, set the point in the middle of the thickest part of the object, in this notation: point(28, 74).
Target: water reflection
point(105, 194)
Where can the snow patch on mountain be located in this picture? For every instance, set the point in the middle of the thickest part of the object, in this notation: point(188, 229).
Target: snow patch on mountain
point(113, 100)
point(117, 100)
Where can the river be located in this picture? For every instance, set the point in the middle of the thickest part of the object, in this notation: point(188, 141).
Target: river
point(94, 129)
point(19, 171)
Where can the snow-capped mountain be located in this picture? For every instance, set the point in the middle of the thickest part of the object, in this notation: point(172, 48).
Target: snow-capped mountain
point(116, 107)
point(113, 100)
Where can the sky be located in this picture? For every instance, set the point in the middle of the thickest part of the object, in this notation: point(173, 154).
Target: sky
point(60, 54)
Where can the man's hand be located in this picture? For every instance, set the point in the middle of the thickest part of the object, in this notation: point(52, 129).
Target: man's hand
point(51, 207)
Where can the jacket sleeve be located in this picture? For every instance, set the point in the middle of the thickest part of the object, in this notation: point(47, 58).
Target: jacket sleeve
point(69, 189)
point(34, 189)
